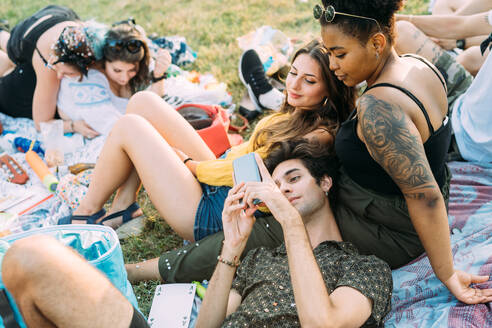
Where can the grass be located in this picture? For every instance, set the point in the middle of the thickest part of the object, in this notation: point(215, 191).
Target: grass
point(211, 28)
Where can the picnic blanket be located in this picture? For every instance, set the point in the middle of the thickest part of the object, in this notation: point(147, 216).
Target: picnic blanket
point(419, 298)
point(49, 211)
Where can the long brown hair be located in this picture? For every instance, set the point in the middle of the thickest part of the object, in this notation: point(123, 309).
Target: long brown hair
point(330, 114)
point(125, 32)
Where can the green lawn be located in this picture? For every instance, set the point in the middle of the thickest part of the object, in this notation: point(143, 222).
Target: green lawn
point(211, 28)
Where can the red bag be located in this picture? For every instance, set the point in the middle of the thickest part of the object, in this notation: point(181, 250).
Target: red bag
point(211, 122)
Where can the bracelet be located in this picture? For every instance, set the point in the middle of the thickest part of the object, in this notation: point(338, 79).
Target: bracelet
point(157, 79)
point(233, 264)
point(71, 126)
point(188, 159)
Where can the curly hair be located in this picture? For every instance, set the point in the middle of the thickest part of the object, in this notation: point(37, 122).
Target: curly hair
point(126, 32)
point(73, 48)
point(329, 115)
point(317, 159)
point(383, 11)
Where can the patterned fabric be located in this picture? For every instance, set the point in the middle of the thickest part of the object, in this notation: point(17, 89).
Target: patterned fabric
point(181, 53)
point(264, 283)
point(419, 298)
point(456, 76)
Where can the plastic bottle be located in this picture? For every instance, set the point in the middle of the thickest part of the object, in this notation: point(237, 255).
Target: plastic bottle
point(41, 170)
point(22, 144)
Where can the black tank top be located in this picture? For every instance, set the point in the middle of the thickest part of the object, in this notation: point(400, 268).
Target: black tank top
point(17, 87)
point(19, 48)
point(364, 170)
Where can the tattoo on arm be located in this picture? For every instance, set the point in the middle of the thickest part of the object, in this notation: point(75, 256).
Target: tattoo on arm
point(394, 147)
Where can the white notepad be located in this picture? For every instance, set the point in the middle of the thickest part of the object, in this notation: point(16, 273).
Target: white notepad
point(171, 306)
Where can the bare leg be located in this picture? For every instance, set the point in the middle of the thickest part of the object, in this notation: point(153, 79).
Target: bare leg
point(447, 7)
point(411, 40)
point(55, 287)
point(172, 127)
point(135, 144)
point(147, 270)
point(472, 59)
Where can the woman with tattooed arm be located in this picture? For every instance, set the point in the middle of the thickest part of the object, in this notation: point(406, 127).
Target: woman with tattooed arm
point(394, 183)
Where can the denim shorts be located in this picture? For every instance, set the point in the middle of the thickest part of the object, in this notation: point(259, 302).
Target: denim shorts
point(208, 218)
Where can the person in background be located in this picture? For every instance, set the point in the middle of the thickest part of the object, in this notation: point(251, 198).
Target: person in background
point(93, 104)
point(35, 65)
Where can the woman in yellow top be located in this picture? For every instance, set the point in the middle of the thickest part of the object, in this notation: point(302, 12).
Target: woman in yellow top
point(154, 145)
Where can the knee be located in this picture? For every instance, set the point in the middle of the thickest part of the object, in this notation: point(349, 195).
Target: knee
point(142, 100)
point(25, 258)
point(149, 105)
point(404, 32)
point(129, 124)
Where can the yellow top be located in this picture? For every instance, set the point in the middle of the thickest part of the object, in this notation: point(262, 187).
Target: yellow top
point(218, 172)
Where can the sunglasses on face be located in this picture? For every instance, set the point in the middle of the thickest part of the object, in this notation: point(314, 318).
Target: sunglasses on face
point(133, 46)
point(329, 14)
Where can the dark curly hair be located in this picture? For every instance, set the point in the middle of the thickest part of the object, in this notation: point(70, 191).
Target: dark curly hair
point(383, 11)
point(318, 160)
point(73, 48)
point(125, 32)
point(329, 115)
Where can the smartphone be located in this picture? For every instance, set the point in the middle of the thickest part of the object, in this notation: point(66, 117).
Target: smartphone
point(245, 170)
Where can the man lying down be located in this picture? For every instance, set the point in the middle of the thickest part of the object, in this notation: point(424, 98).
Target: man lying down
point(312, 279)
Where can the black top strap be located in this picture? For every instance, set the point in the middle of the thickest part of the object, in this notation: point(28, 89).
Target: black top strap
point(42, 57)
point(409, 94)
point(432, 67)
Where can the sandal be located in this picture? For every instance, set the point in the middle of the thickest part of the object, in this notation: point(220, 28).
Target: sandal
point(90, 219)
point(126, 214)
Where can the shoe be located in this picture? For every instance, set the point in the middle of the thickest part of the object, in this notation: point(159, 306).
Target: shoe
point(90, 219)
point(126, 214)
point(252, 75)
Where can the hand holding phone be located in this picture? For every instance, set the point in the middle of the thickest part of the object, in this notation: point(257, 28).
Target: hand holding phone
point(245, 170)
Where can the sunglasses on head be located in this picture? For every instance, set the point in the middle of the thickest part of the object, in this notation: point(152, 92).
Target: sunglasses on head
point(129, 21)
point(329, 14)
point(133, 46)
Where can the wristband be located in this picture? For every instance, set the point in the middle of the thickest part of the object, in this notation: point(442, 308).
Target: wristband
point(157, 79)
point(188, 159)
point(233, 264)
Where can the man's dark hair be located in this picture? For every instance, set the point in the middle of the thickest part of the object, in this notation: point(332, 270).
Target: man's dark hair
point(319, 160)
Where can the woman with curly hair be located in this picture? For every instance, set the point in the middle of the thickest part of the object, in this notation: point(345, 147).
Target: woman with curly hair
point(394, 184)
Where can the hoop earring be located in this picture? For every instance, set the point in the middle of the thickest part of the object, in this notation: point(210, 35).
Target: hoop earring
point(325, 102)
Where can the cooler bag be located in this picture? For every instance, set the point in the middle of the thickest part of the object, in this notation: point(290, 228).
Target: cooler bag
point(99, 245)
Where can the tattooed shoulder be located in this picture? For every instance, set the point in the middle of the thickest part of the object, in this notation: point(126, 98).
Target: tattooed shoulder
point(387, 135)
